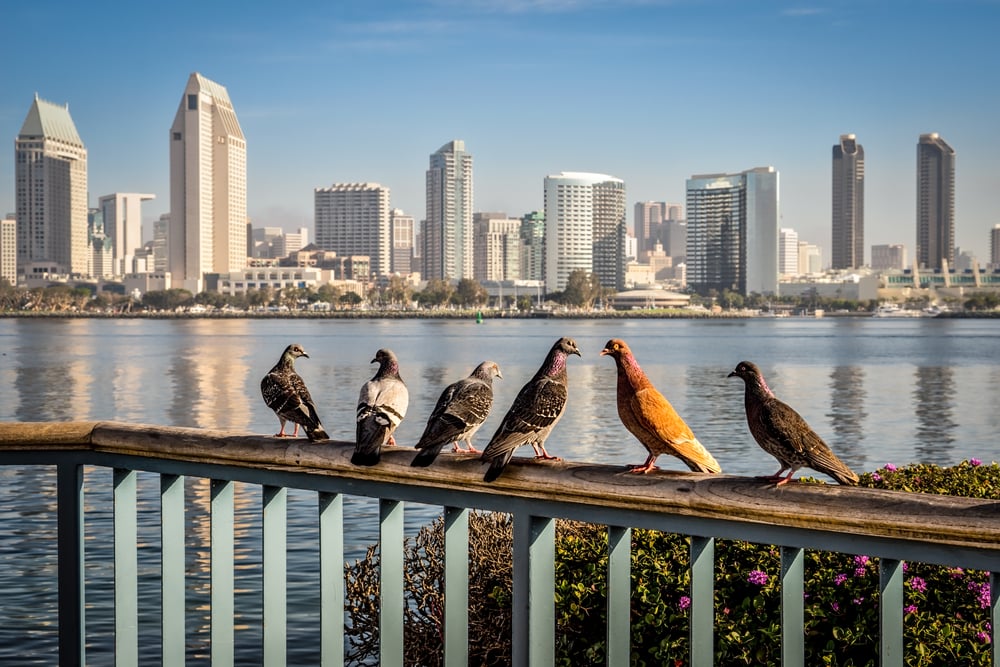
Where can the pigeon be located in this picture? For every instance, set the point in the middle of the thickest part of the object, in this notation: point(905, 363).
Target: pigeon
point(648, 415)
point(534, 412)
point(381, 406)
point(285, 392)
point(460, 411)
point(784, 434)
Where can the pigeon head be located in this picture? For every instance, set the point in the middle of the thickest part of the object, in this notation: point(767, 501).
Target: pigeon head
point(616, 349)
point(295, 351)
point(387, 362)
point(487, 371)
point(751, 375)
point(566, 346)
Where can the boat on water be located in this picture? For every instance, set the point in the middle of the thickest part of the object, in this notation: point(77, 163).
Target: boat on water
point(895, 310)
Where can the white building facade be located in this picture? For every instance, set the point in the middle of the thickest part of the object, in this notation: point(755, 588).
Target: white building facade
point(122, 213)
point(354, 219)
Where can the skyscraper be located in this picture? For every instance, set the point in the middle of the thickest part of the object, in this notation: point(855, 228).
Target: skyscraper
point(935, 202)
point(208, 186)
point(732, 240)
point(403, 239)
point(650, 224)
point(995, 247)
point(51, 191)
point(533, 246)
point(447, 234)
point(354, 219)
point(788, 252)
point(8, 250)
point(497, 247)
point(848, 203)
point(584, 228)
point(123, 226)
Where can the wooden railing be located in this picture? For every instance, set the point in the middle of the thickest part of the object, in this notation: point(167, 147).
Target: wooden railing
point(893, 526)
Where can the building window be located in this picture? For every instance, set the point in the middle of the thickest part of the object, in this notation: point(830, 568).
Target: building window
point(177, 136)
point(192, 102)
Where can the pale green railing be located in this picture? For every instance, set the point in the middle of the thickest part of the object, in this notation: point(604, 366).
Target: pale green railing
point(890, 525)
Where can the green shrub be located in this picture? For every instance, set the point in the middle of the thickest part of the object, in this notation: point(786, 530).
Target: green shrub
point(946, 613)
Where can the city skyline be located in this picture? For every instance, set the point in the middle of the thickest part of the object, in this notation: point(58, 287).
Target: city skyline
point(362, 94)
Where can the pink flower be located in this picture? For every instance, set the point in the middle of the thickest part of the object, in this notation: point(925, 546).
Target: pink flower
point(877, 477)
point(890, 467)
point(839, 579)
point(975, 463)
point(684, 602)
point(983, 637)
point(835, 606)
point(917, 584)
point(910, 609)
point(757, 577)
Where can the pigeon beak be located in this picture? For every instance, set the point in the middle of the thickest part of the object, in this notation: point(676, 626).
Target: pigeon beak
point(731, 375)
point(605, 352)
point(499, 374)
point(305, 355)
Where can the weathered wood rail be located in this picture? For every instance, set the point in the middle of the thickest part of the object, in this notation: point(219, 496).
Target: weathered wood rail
point(894, 526)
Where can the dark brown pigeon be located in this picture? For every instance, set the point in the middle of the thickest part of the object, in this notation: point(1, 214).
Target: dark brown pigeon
point(285, 392)
point(648, 415)
point(534, 412)
point(461, 409)
point(381, 406)
point(784, 434)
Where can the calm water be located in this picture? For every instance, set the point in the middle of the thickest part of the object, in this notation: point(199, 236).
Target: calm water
point(878, 390)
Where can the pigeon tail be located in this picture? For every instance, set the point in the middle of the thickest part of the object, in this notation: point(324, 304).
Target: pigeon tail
point(841, 473)
point(317, 433)
point(698, 458)
point(426, 456)
point(497, 465)
point(366, 458)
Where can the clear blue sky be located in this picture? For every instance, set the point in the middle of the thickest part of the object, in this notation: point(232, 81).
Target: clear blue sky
point(650, 91)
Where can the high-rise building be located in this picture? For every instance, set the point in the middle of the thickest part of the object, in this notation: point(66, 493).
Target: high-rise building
point(935, 202)
point(8, 250)
point(533, 246)
point(732, 238)
point(446, 233)
point(995, 246)
point(161, 243)
point(208, 186)
point(497, 247)
point(810, 259)
point(51, 191)
point(888, 257)
point(122, 213)
point(584, 228)
point(848, 249)
point(650, 224)
point(788, 252)
point(403, 240)
point(354, 219)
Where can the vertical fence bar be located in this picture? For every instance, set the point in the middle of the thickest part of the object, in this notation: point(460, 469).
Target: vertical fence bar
point(172, 583)
point(223, 603)
point(890, 612)
point(126, 567)
point(331, 579)
point(994, 617)
point(391, 583)
point(69, 520)
point(702, 601)
point(275, 578)
point(619, 596)
point(456, 587)
point(534, 590)
point(793, 645)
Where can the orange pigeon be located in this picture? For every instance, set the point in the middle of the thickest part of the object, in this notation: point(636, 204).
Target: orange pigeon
point(649, 416)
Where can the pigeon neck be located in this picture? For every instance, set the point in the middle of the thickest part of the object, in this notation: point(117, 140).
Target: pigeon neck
point(389, 368)
point(632, 370)
point(557, 363)
point(760, 387)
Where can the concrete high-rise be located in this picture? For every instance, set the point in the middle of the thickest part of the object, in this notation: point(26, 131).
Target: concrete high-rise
point(788, 252)
point(732, 240)
point(995, 247)
point(208, 186)
point(403, 234)
point(651, 224)
point(355, 219)
point(533, 246)
point(8, 250)
point(584, 228)
point(122, 213)
point(497, 247)
point(848, 248)
point(935, 202)
point(887, 257)
point(447, 233)
point(50, 192)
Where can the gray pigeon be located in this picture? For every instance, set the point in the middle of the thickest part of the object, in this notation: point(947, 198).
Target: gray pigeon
point(381, 406)
point(285, 392)
point(534, 412)
point(460, 411)
point(784, 434)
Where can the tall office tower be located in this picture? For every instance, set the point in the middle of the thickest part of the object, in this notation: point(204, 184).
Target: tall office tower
point(353, 219)
point(533, 246)
point(208, 186)
point(8, 250)
point(935, 202)
point(447, 233)
point(733, 231)
point(263, 241)
point(123, 226)
point(161, 243)
point(674, 239)
point(403, 239)
point(51, 191)
point(497, 247)
point(294, 241)
point(647, 221)
point(888, 257)
point(848, 204)
point(995, 246)
point(788, 252)
point(810, 258)
point(584, 228)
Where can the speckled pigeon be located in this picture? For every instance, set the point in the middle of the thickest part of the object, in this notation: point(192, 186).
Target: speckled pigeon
point(534, 412)
point(285, 392)
point(381, 406)
point(784, 434)
point(461, 409)
point(651, 419)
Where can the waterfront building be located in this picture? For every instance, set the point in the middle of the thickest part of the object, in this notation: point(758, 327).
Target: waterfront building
point(995, 247)
point(208, 186)
point(50, 181)
point(788, 252)
point(935, 202)
point(848, 247)
point(584, 228)
point(161, 244)
point(533, 246)
point(122, 213)
point(889, 257)
point(447, 233)
point(354, 219)
point(8, 249)
point(403, 235)
point(732, 238)
point(496, 247)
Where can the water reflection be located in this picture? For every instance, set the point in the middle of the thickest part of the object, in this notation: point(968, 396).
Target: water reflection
point(847, 413)
point(933, 393)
